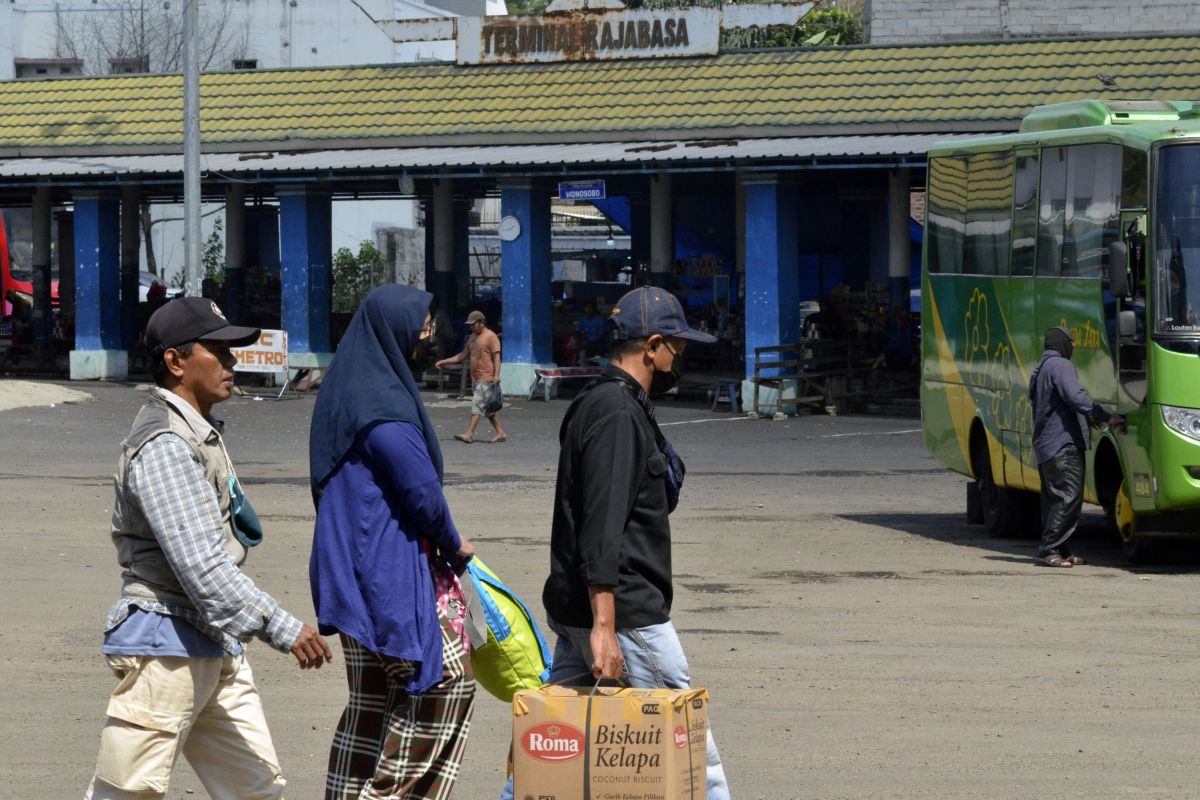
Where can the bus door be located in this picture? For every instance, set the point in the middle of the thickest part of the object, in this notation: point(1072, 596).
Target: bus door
point(1131, 345)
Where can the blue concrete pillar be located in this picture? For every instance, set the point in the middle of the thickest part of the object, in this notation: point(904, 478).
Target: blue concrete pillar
point(525, 278)
point(305, 255)
point(98, 353)
point(772, 265)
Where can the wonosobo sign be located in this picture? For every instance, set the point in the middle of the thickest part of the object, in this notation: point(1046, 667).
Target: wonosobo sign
point(268, 354)
point(582, 190)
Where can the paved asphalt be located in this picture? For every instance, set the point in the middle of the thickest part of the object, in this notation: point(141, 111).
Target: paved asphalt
point(859, 640)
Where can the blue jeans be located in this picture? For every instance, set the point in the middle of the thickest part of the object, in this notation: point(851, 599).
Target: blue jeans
point(653, 658)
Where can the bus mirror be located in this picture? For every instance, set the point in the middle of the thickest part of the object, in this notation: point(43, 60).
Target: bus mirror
point(1118, 270)
point(1126, 324)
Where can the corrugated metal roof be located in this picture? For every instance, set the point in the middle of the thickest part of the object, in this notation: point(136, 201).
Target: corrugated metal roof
point(418, 158)
point(820, 91)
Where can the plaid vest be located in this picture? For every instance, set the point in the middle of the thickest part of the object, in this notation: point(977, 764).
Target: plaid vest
point(148, 575)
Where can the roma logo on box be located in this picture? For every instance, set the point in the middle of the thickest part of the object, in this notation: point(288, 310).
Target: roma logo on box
point(553, 742)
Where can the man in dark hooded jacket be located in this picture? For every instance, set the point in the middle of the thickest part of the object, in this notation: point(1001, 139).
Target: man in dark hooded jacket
point(1062, 412)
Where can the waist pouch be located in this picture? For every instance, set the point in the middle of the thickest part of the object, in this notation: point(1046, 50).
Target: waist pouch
point(246, 526)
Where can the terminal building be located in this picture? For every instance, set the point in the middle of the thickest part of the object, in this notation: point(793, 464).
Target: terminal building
point(747, 182)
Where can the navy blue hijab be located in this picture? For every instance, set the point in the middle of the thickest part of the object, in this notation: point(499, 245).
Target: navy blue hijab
point(369, 381)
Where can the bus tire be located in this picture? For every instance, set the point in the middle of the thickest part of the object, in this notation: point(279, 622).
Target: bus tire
point(1004, 510)
point(974, 512)
point(1136, 546)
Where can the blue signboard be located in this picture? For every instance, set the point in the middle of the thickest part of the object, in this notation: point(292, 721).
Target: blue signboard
point(581, 190)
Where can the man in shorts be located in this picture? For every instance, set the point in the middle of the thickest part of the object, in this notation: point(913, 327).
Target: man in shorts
point(483, 351)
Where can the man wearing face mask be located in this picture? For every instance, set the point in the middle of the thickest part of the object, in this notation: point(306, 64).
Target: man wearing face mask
point(608, 596)
point(1062, 412)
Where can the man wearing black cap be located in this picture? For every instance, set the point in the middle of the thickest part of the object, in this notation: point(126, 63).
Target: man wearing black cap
point(1062, 412)
point(181, 526)
point(609, 593)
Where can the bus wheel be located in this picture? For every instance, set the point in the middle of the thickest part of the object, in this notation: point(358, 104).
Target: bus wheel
point(1003, 509)
point(1136, 547)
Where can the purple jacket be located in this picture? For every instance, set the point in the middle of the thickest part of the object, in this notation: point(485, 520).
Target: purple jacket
point(1061, 408)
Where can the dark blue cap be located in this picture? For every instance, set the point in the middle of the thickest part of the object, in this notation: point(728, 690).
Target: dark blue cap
point(650, 310)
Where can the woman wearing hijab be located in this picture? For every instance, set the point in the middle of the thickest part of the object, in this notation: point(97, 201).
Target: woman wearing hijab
point(381, 561)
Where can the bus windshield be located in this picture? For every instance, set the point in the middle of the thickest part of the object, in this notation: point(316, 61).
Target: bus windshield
point(1177, 241)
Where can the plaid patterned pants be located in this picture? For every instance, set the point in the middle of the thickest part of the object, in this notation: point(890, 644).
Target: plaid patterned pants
point(393, 745)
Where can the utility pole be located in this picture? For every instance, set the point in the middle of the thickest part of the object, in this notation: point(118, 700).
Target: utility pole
point(191, 147)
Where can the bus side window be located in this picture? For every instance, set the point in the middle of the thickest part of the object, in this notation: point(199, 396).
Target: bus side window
point(946, 214)
point(989, 213)
point(1025, 214)
point(1094, 193)
point(1052, 212)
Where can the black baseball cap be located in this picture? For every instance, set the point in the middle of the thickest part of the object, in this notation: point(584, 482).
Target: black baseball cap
point(192, 319)
point(650, 310)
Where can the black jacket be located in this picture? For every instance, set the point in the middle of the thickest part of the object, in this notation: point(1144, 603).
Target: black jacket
point(610, 509)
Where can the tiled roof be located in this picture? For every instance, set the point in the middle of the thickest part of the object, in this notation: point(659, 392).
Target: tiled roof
point(823, 91)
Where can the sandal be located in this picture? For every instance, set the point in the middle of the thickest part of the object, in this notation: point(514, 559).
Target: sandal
point(499, 439)
point(1075, 560)
point(462, 437)
point(1056, 561)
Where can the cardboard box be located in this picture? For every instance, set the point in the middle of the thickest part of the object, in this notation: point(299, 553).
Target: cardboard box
point(615, 744)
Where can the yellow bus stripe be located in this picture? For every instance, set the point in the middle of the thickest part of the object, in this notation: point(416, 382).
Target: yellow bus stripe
point(949, 371)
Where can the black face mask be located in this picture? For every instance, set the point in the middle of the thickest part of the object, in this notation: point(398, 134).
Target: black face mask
point(421, 358)
point(663, 382)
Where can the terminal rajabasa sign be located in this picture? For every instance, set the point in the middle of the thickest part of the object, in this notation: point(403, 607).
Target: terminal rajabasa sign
point(578, 30)
point(589, 35)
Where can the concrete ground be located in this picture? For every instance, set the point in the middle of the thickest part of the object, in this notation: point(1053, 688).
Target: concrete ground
point(858, 639)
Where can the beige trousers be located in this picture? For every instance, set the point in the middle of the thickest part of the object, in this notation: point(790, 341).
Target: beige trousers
point(208, 708)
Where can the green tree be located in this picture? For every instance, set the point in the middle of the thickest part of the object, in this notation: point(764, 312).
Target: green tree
point(821, 27)
point(212, 254)
point(835, 26)
point(526, 7)
point(355, 275)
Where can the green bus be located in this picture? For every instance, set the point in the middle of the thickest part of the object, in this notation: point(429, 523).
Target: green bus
point(1088, 217)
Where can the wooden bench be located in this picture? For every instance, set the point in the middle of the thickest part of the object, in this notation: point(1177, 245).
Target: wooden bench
point(448, 373)
point(826, 373)
point(548, 378)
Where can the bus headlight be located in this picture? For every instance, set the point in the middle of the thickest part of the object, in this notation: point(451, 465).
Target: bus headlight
point(1183, 420)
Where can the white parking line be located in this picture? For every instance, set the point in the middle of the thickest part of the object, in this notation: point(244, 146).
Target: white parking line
point(695, 421)
point(869, 433)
